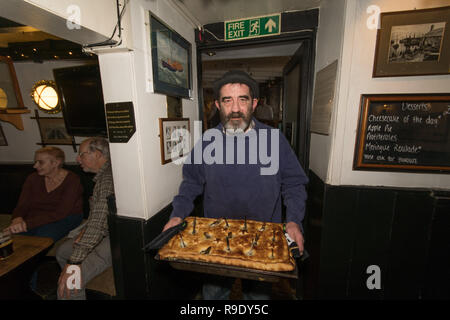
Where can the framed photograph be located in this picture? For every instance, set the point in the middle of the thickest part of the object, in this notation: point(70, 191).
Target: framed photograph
point(413, 43)
point(3, 141)
point(403, 132)
point(171, 60)
point(174, 138)
point(10, 97)
point(53, 131)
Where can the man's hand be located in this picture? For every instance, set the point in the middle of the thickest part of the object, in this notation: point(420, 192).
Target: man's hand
point(18, 225)
point(295, 233)
point(172, 223)
point(63, 290)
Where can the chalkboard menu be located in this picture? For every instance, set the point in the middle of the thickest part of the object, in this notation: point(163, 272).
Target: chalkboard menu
point(404, 133)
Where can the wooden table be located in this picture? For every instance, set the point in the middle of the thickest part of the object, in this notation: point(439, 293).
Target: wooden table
point(16, 269)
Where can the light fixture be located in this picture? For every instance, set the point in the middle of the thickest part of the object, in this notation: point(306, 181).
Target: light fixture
point(45, 96)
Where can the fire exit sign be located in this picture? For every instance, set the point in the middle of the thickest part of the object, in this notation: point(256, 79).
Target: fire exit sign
point(252, 27)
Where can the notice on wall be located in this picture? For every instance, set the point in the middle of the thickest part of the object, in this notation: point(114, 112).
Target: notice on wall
point(254, 27)
point(121, 123)
point(404, 133)
point(323, 99)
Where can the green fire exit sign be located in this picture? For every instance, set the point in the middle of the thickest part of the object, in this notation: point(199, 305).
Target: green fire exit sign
point(252, 27)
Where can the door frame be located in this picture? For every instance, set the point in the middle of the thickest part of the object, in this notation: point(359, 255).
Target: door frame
point(304, 57)
point(308, 40)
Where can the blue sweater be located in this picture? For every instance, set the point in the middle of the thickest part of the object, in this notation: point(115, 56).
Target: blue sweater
point(235, 186)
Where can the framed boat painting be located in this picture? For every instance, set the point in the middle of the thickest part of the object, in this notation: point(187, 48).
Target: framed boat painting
point(171, 60)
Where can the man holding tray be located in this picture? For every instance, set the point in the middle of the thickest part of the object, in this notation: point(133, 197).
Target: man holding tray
point(247, 175)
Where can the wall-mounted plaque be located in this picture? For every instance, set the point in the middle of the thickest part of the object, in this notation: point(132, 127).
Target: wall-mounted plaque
point(120, 119)
point(323, 99)
point(404, 133)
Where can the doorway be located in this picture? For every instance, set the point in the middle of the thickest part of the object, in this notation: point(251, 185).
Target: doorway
point(283, 70)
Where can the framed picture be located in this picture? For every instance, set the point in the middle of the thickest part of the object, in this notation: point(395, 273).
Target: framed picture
point(3, 141)
point(171, 60)
point(174, 138)
point(174, 107)
point(403, 132)
point(53, 131)
point(413, 43)
point(10, 97)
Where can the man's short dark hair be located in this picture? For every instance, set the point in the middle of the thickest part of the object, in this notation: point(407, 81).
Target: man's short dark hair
point(236, 76)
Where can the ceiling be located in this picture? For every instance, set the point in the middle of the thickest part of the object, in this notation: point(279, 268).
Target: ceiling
point(25, 43)
point(22, 34)
point(211, 11)
point(264, 63)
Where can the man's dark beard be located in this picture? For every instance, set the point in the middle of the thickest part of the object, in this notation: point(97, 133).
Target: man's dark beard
point(228, 123)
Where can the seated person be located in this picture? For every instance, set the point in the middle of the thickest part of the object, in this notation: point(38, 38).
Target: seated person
point(51, 203)
point(89, 252)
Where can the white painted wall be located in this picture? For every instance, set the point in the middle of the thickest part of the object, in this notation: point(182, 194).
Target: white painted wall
point(328, 49)
point(22, 144)
point(356, 79)
point(143, 186)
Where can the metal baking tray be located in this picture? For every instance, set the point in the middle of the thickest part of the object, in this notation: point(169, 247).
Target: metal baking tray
point(230, 271)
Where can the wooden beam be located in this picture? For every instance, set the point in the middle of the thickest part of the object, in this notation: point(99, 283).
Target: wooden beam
point(13, 116)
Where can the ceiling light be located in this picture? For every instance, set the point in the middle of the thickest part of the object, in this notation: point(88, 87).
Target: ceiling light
point(45, 96)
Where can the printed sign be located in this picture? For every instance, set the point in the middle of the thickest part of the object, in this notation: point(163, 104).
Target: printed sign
point(252, 27)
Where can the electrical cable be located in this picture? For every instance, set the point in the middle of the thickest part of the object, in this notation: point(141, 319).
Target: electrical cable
point(111, 42)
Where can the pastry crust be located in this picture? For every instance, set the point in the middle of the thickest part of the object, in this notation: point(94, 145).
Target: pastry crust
point(262, 245)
